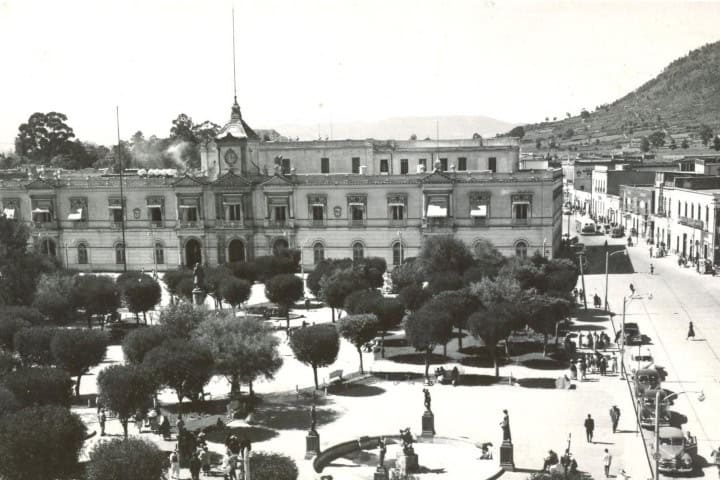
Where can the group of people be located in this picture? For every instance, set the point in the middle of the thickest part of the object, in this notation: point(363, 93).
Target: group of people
point(199, 460)
point(593, 363)
point(594, 340)
point(567, 462)
point(441, 374)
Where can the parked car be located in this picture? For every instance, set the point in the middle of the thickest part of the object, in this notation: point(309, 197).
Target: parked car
point(632, 334)
point(617, 232)
point(646, 409)
point(646, 379)
point(606, 228)
point(677, 451)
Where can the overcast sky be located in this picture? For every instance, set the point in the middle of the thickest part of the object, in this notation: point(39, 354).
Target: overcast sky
point(517, 61)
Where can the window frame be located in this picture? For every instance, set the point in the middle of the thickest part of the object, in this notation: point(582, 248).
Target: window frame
point(324, 165)
point(82, 253)
point(404, 166)
point(462, 164)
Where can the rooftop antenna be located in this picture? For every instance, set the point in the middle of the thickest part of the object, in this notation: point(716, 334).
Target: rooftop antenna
point(233, 53)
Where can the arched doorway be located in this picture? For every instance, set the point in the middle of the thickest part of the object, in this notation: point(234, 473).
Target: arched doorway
point(279, 245)
point(193, 252)
point(236, 251)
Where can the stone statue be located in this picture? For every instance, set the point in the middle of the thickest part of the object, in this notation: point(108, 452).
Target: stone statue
point(383, 451)
point(407, 440)
point(198, 276)
point(505, 425)
point(428, 400)
point(313, 419)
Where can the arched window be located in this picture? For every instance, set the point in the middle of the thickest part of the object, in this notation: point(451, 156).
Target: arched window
point(119, 253)
point(521, 249)
point(358, 252)
point(159, 254)
point(318, 253)
point(82, 254)
point(398, 253)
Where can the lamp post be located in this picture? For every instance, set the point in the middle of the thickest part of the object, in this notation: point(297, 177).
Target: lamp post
point(607, 261)
point(626, 300)
point(658, 400)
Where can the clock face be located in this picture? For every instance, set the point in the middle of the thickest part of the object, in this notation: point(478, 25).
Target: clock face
point(231, 157)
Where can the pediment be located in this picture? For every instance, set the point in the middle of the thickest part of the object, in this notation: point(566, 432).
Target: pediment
point(437, 177)
point(40, 184)
point(278, 181)
point(188, 181)
point(230, 179)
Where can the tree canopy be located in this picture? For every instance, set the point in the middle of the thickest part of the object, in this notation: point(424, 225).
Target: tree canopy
point(54, 297)
point(124, 389)
point(445, 253)
point(130, 459)
point(358, 330)
point(77, 351)
point(96, 294)
point(179, 320)
point(140, 341)
point(141, 292)
point(39, 386)
point(272, 466)
point(285, 289)
point(316, 345)
point(235, 291)
point(33, 345)
point(44, 136)
point(186, 366)
point(426, 328)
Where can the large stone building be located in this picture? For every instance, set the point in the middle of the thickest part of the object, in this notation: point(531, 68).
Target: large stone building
point(330, 199)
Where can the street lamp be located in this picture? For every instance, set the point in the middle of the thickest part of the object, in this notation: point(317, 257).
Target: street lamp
point(607, 261)
point(626, 300)
point(656, 455)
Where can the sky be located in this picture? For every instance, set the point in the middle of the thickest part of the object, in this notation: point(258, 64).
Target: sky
point(316, 61)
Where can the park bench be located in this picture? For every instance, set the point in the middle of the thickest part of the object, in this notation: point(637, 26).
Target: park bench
point(336, 376)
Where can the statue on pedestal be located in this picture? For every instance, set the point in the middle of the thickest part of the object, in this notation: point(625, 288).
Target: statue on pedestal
point(428, 400)
point(198, 276)
point(407, 440)
point(313, 420)
point(383, 451)
point(505, 425)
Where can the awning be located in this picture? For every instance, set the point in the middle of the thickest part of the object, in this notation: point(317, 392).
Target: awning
point(318, 204)
point(9, 213)
point(520, 202)
point(114, 207)
point(436, 211)
point(41, 210)
point(356, 204)
point(479, 211)
point(77, 215)
point(396, 204)
point(188, 206)
point(154, 206)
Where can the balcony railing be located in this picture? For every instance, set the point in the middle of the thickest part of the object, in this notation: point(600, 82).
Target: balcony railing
point(317, 222)
point(521, 221)
point(222, 223)
point(46, 225)
point(279, 224)
point(157, 223)
point(691, 222)
point(480, 221)
point(190, 223)
point(357, 223)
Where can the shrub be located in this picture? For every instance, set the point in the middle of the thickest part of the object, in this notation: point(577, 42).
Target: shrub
point(131, 459)
point(138, 342)
point(33, 345)
point(40, 386)
point(272, 466)
point(78, 350)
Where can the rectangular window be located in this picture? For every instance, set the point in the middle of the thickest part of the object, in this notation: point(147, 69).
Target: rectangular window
point(520, 211)
point(234, 212)
point(404, 166)
point(462, 164)
point(190, 214)
point(384, 166)
point(317, 213)
point(279, 215)
point(397, 212)
point(155, 214)
point(286, 166)
point(324, 165)
point(356, 165)
point(492, 164)
point(357, 213)
point(159, 254)
point(443, 165)
point(117, 215)
point(423, 162)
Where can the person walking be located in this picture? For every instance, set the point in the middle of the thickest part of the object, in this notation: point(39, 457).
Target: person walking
point(102, 418)
point(691, 332)
point(652, 269)
point(195, 465)
point(583, 369)
point(175, 464)
point(614, 417)
point(632, 289)
point(205, 461)
point(580, 340)
point(651, 250)
point(589, 428)
point(607, 461)
point(603, 366)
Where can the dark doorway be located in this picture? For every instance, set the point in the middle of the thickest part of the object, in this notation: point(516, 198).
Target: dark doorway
point(236, 251)
point(193, 253)
point(279, 245)
point(47, 246)
point(684, 245)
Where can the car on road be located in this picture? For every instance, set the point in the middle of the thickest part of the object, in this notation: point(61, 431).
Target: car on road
point(677, 451)
point(632, 335)
point(617, 232)
point(646, 379)
point(646, 408)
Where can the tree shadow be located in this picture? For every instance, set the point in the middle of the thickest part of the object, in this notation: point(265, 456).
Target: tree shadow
point(483, 361)
point(677, 419)
point(395, 342)
point(355, 390)
point(418, 358)
point(592, 315)
point(475, 380)
point(545, 383)
point(254, 434)
point(399, 376)
point(292, 417)
point(199, 408)
point(582, 328)
point(544, 364)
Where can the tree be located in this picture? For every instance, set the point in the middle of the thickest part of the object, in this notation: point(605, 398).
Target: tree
point(372, 270)
point(243, 349)
point(545, 312)
point(124, 389)
point(285, 289)
point(389, 312)
point(214, 278)
point(584, 114)
point(131, 459)
point(141, 293)
point(444, 281)
point(140, 341)
point(20, 312)
point(673, 144)
point(235, 291)
point(684, 144)
point(445, 253)
point(33, 345)
point(246, 270)
point(185, 366)
point(657, 138)
point(338, 286)
point(706, 134)
point(54, 298)
point(97, 295)
point(325, 268)
point(644, 144)
point(488, 262)
point(316, 345)
point(517, 132)
point(413, 297)
point(460, 304)
point(8, 402)
point(410, 272)
point(538, 143)
point(44, 136)
point(176, 281)
point(358, 330)
point(39, 386)
point(272, 466)
point(77, 351)
point(569, 133)
point(425, 329)
point(9, 326)
point(40, 442)
point(179, 320)
point(716, 144)
point(362, 301)
point(182, 129)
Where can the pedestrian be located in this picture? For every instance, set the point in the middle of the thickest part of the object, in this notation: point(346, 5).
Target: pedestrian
point(195, 466)
point(205, 461)
point(575, 293)
point(614, 417)
point(651, 250)
point(603, 366)
point(180, 424)
point(565, 462)
point(139, 420)
point(607, 460)
point(583, 369)
point(174, 464)
point(102, 418)
point(590, 341)
point(573, 371)
point(232, 465)
point(580, 340)
point(715, 455)
point(632, 289)
point(589, 428)
point(596, 337)
point(691, 332)
point(652, 269)
point(613, 364)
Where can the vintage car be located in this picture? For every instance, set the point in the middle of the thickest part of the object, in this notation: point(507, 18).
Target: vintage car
point(617, 232)
point(646, 409)
point(677, 451)
point(632, 334)
point(646, 379)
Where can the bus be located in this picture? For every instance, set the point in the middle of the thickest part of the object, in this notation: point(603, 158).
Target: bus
point(585, 226)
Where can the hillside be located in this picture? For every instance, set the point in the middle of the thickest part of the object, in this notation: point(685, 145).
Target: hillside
point(400, 128)
point(676, 103)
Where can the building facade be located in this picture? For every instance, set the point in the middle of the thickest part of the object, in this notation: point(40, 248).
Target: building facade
point(331, 199)
point(637, 204)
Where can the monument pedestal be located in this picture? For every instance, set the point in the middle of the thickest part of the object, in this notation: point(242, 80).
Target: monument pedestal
point(381, 474)
point(312, 444)
point(506, 456)
point(198, 296)
point(428, 424)
point(407, 463)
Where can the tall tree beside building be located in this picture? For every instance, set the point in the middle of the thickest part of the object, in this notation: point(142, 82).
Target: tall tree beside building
point(44, 136)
